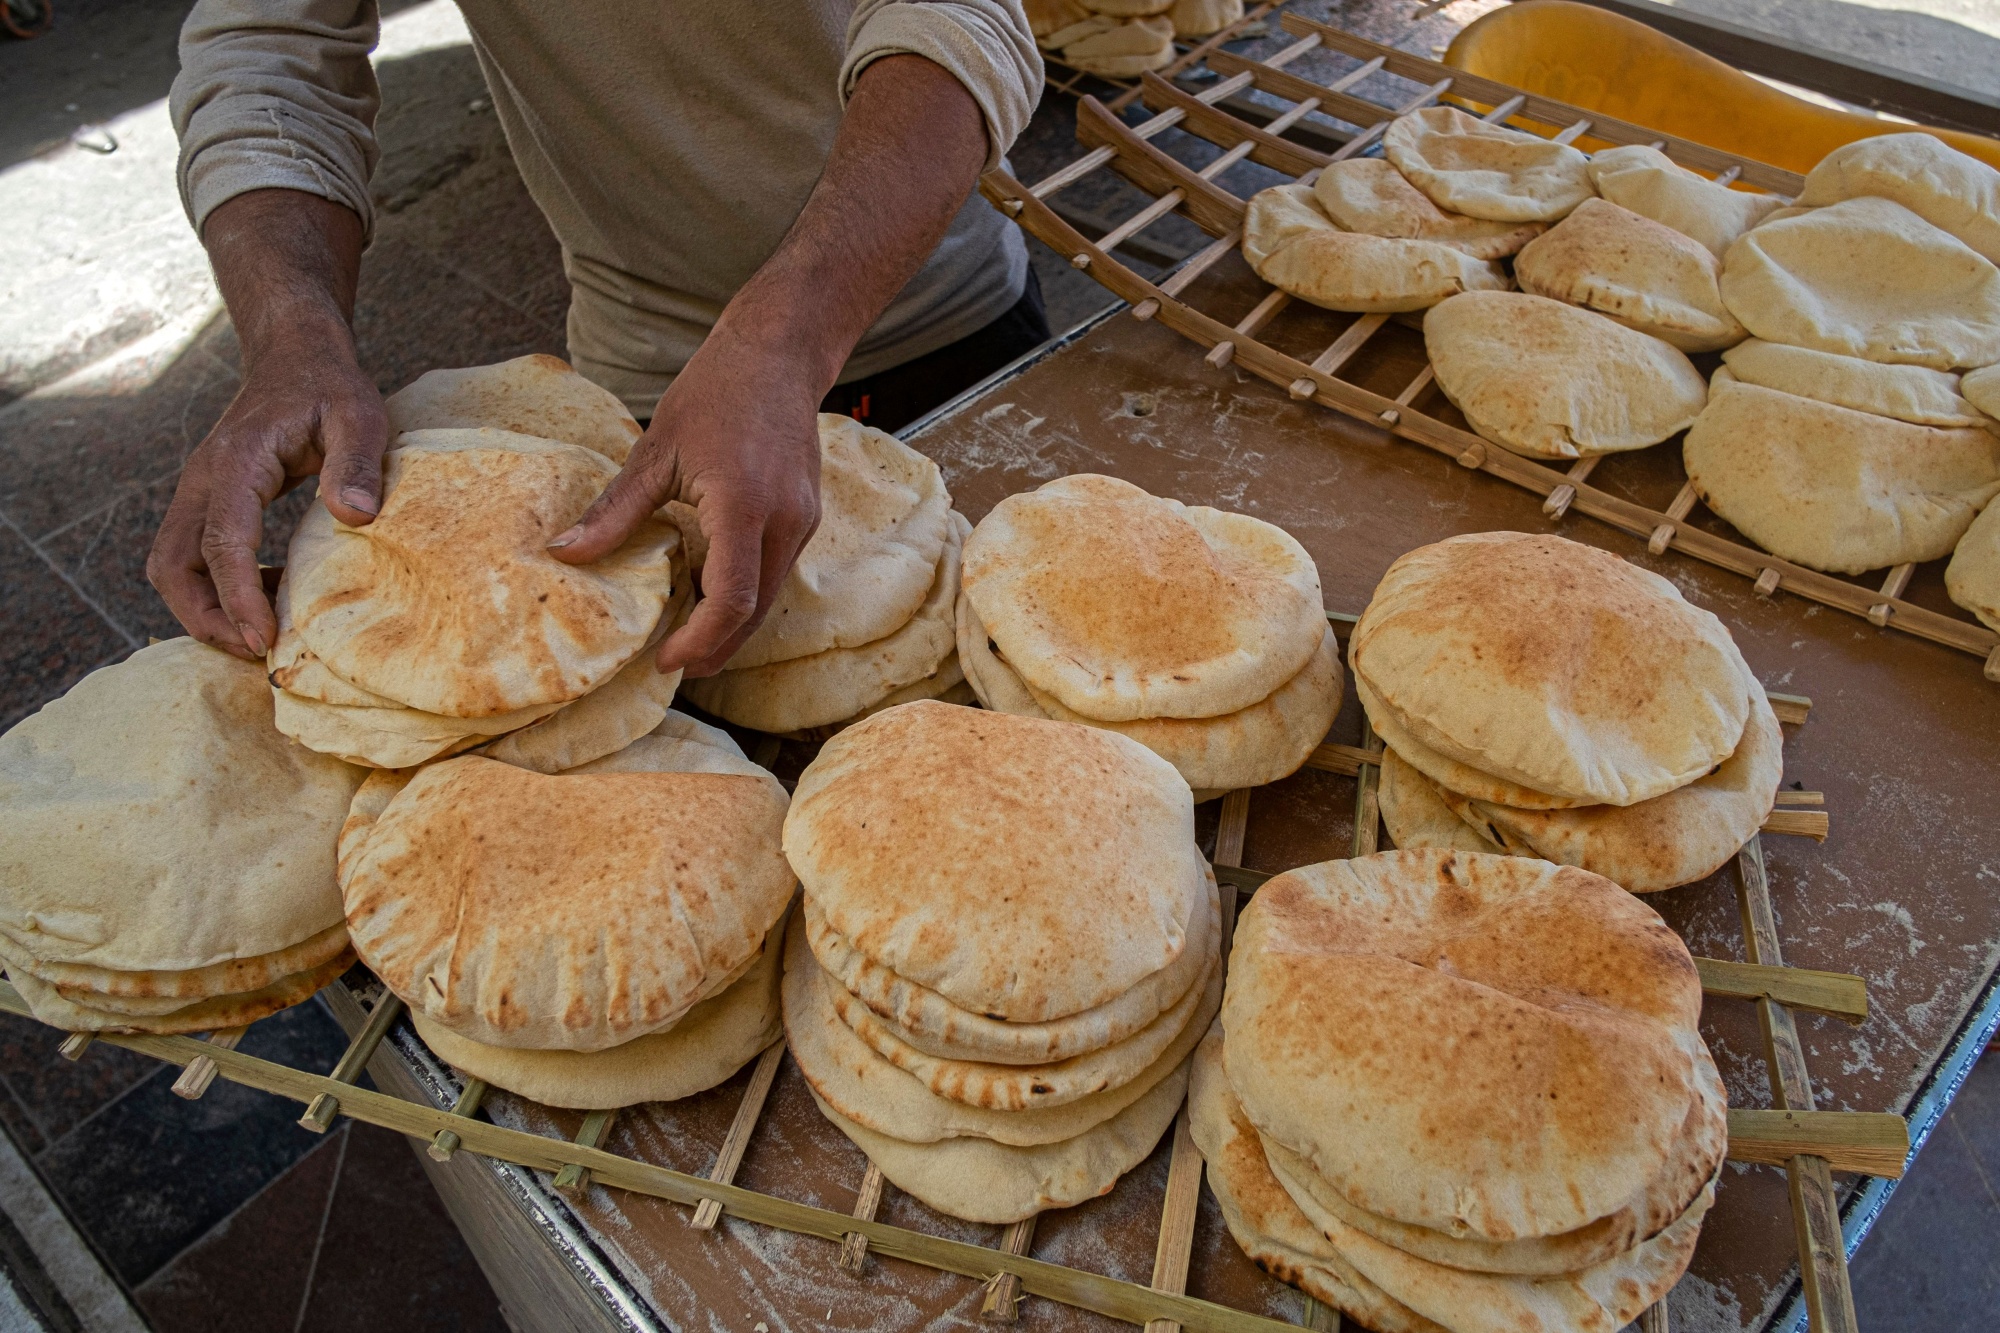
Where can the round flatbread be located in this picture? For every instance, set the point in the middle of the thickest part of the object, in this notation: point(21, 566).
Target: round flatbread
point(212, 1014)
point(1867, 278)
point(1552, 665)
point(152, 819)
point(1200, 18)
point(1449, 773)
point(1549, 380)
point(160, 991)
point(1551, 1084)
point(1368, 195)
point(537, 395)
point(1417, 817)
point(1643, 274)
point(1952, 191)
point(1653, 185)
point(1486, 171)
point(450, 602)
point(1290, 242)
point(1832, 488)
point(1915, 394)
point(1982, 389)
point(1973, 576)
point(1116, 48)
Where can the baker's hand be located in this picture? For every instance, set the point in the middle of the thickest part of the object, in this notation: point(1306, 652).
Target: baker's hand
point(304, 409)
point(736, 436)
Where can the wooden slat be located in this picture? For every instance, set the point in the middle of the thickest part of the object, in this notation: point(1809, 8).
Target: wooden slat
point(319, 1115)
point(1368, 794)
point(1870, 1143)
point(1346, 760)
point(1221, 128)
point(709, 1211)
point(194, 1080)
point(445, 1143)
point(1177, 1214)
point(1002, 1302)
point(854, 1245)
point(596, 1128)
point(1294, 88)
point(1208, 205)
point(1812, 824)
point(1792, 709)
point(1839, 994)
point(1232, 827)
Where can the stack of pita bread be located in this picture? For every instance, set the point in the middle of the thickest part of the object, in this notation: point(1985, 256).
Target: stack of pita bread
point(1547, 699)
point(1454, 1093)
point(593, 938)
point(1973, 576)
point(445, 622)
point(1198, 633)
point(1008, 946)
point(166, 856)
point(1118, 39)
point(1842, 437)
point(865, 619)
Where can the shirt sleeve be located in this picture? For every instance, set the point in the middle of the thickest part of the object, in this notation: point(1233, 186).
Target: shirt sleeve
point(277, 94)
point(985, 44)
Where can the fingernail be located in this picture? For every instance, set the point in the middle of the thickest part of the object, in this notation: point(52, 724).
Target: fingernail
point(356, 498)
point(567, 537)
point(253, 640)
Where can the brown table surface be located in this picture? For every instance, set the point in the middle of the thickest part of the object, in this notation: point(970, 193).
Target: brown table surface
point(1906, 892)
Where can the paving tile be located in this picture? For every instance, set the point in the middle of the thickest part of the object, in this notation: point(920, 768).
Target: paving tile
point(16, 1123)
point(391, 1258)
point(54, 1094)
point(414, 314)
point(151, 1174)
point(53, 636)
point(250, 1273)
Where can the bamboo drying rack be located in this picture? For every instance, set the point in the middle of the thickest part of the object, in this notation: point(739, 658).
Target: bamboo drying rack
point(1194, 194)
point(1809, 1144)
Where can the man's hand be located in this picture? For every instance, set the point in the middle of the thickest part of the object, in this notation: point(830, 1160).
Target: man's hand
point(286, 263)
point(736, 433)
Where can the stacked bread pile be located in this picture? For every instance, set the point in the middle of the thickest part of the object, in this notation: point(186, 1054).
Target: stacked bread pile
point(864, 620)
point(592, 938)
point(1196, 632)
point(446, 622)
point(1842, 437)
point(1121, 39)
point(166, 856)
point(1973, 576)
point(1007, 948)
point(1547, 699)
point(1461, 1093)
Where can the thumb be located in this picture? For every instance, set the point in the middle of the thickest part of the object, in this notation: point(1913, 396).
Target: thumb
point(630, 498)
point(353, 434)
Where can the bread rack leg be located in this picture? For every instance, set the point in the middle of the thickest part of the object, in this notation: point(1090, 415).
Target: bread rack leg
point(1003, 1293)
point(200, 1071)
point(708, 1212)
point(854, 1246)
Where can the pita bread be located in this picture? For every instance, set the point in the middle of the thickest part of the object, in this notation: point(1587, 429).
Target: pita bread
point(1908, 393)
point(931, 1024)
point(906, 828)
point(1973, 576)
point(1552, 381)
point(1686, 835)
point(1835, 489)
point(1950, 190)
point(1267, 741)
point(1982, 389)
point(1262, 1217)
point(884, 519)
point(983, 1181)
point(1486, 171)
point(206, 1015)
point(1125, 606)
point(1129, 9)
point(160, 991)
point(1632, 269)
point(1552, 665)
point(716, 1038)
point(1049, 17)
point(799, 693)
point(1563, 1120)
point(535, 395)
point(1199, 18)
point(449, 602)
point(946, 685)
point(571, 912)
point(1368, 195)
point(680, 745)
point(1866, 278)
point(387, 737)
point(153, 820)
point(1651, 184)
point(1292, 244)
point(861, 1086)
point(1416, 816)
point(1120, 51)
point(1449, 773)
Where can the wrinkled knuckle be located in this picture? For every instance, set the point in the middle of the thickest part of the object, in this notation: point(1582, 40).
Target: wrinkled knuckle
point(739, 604)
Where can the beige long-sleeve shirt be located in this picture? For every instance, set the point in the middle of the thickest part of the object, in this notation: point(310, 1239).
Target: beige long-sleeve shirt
point(670, 142)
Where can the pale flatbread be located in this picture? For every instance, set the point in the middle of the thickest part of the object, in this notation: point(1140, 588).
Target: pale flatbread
point(450, 602)
point(1267, 741)
point(1973, 576)
point(207, 1015)
point(1639, 272)
point(1866, 278)
point(925, 1020)
point(153, 820)
point(1125, 606)
point(946, 685)
point(1022, 869)
point(884, 518)
point(1046, 18)
point(1914, 394)
point(1835, 489)
point(1417, 817)
point(160, 991)
point(983, 1181)
point(1653, 185)
point(1129, 9)
point(388, 737)
point(1289, 242)
point(1551, 381)
point(1368, 195)
point(1552, 665)
point(1336, 967)
point(1953, 191)
point(1123, 49)
point(1487, 171)
point(715, 1039)
point(860, 1085)
point(537, 395)
point(799, 693)
point(1199, 18)
point(1982, 389)
point(1449, 773)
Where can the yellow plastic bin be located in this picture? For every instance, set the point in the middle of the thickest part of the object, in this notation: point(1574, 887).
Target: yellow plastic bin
point(1593, 58)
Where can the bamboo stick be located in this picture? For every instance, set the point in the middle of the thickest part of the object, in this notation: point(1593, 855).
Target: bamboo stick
point(1559, 499)
point(1002, 1302)
point(854, 1245)
point(1177, 1215)
point(200, 1072)
point(1798, 823)
point(737, 1140)
point(75, 1044)
point(1368, 793)
point(574, 1179)
point(1871, 1143)
point(1792, 709)
point(1892, 587)
point(1338, 354)
point(445, 1143)
point(319, 1115)
point(1838, 994)
point(1232, 827)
